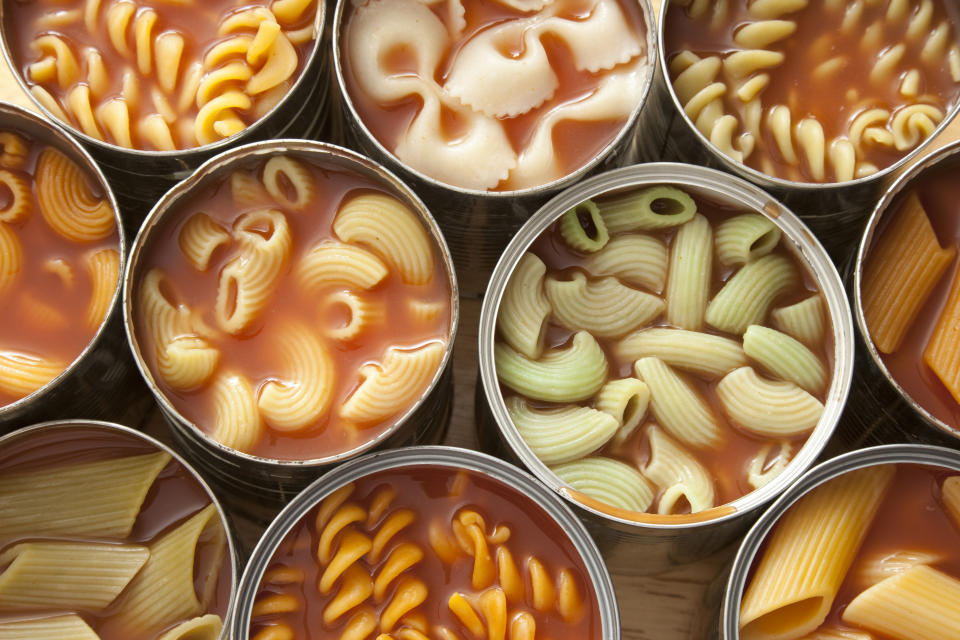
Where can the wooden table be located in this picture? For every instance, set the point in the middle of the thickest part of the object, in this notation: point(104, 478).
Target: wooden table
point(670, 606)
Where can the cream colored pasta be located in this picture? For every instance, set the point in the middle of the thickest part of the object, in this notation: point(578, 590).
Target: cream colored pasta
point(951, 497)
point(746, 297)
point(875, 569)
point(237, 424)
point(289, 182)
point(524, 308)
point(704, 354)
point(609, 481)
point(637, 259)
point(20, 204)
point(626, 400)
point(205, 627)
point(803, 320)
point(680, 476)
point(199, 238)
point(766, 407)
point(425, 312)
point(605, 307)
point(745, 238)
point(677, 406)
point(61, 627)
point(688, 287)
point(634, 211)
point(763, 468)
point(333, 263)
point(66, 202)
point(561, 434)
point(23, 373)
point(104, 270)
point(568, 374)
point(785, 357)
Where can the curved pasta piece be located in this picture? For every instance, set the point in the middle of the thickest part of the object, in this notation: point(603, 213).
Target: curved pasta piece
point(679, 475)
point(66, 65)
point(205, 627)
point(914, 123)
point(11, 258)
point(425, 312)
point(169, 51)
point(199, 238)
point(747, 296)
point(522, 318)
point(603, 307)
point(609, 481)
point(389, 228)
point(561, 434)
point(761, 469)
point(247, 191)
point(746, 238)
point(23, 373)
point(216, 111)
point(19, 206)
point(870, 127)
point(213, 82)
point(289, 11)
point(765, 407)
point(395, 384)
point(333, 263)
point(635, 258)
point(104, 270)
point(290, 182)
point(771, 9)
point(803, 320)
point(361, 314)
point(66, 201)
point(304, 394)
point(568, 374)
point(677, 406)
point(763, 33)
point(785, 357)
point(237, 423)
point(626, 400)
point(115, 117)
point(704, 354)
point(187, 362)
point(13, 150)
point(56, 266)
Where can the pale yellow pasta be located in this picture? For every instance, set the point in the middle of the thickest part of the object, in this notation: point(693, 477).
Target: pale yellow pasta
point(679, 475)
point(214, 82)
point(116, 120)
point(803, 320)
point(247, 191)
point(303, 393)
point(677, 406)
point(79, 102)
point(19, 206)
point(75, 576)
point(688, 286)
point(280, 64)
point(609, 481)
point(951, 497)
point(626, 400)
point(61, 627)
point(104, 270)
point(361, 314)
point(568, 374)
point(838, 633)
point(524, 308)
point(809, 553)
point(881, 566)
point(704, 354)
point(289, 11)
point(747, 296)
point(561, 434)
point(386, 226)
point(745, 238)
point(179, 579)
point(760, 34)
point(11, 258)
point(187, 362)
point(66, 65)
point(333, 263)
point(237, 423)
point(393, 385)
point(212, 116)
point(637, 259)
point(205, 627)
point(13, 150)
point(766, 407)
point(425, 312)
point(604, 307)
point(66, 201)
point(913, 124)
point(199, 238)
point(763, 468)
point(785, 357)
point(23, 373)
point(289, 182)
point(46, 503)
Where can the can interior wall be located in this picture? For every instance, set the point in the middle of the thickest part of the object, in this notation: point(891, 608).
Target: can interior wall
point(643, 548)
point(478, 224)
point(727, 625)
point(450, 457)
point(262, 484)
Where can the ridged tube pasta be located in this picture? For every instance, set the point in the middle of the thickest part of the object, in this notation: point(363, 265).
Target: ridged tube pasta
point(62, 627)
point(104, 269)
point(19, 207)
point(745, 238)
point(568, 374)
point(688, 285)
point(247, 281)
point(385, 225)
point(199, 238)
point(362, 313)
point(187, 362)
point(583, 228)
point(604, 307)
point(704, 354)
point(392, 386)
point(13, 150)
point(79, 576)
point(289, 182)
point(803, 320)
point(650, 209)
point(785, 357)
point(247, 191)
point(635, 258)
point(23, 373)
point(677, 406)
point(11, 257)
point(765, 407)
point(205, 627)
point(747, 296)
point(522, 318)
point(237, 423)
point(333, 263)
point(626, 400)
point(808, 555)
point(66, 201)
point(609, 481)
point(304, 392)
point(561, 434)
point(678, 474)
point(873, 569)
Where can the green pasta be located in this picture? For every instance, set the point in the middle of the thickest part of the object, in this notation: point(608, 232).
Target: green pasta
point(653, 208)
point(704, 354)
point(677, 406)
point(635, 258)
point(583, 229)
point(563, 433)
point(561, 375)
point(688, 287)
point(524, 308)
point(746, 238)
point(803, 320)
point(605, 307)
point(747, 296)
point(609, 481)
point(785, 357)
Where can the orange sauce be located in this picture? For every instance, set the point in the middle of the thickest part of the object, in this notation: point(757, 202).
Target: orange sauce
point(437, 494)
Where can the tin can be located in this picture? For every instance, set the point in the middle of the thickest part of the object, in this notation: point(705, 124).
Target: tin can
point(652, 547)
point(264, 481)
point(833, 211)
point(87, 386)
point(885, 411)
point(82, 441)
point(726, 626)
point(448, 457)
point(478, 224)
point(140, 177)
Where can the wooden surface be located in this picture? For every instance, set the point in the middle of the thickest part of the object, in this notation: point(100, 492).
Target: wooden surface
point(670, 606)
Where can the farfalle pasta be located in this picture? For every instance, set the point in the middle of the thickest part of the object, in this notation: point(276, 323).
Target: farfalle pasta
point(814, 91)
point(59, 263)
point(426, 553)
point(648, 368)
point(273, 310)
point(495, 94)
point(160, 76)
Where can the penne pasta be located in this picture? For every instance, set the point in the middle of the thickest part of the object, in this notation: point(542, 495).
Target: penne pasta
point(202, 628)
point(942, 353)
point(951, 497)
point(745, 238)
point(803, 320)
point(60, 627)
point(626, 400)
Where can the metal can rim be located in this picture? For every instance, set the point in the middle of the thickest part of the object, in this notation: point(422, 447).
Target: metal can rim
point(446, 456)
point(180, 193)
point(724, 187)
point(852, 460)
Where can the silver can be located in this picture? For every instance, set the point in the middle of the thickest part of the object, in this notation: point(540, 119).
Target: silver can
point(86, 388)
point(478, 224)
point(412, 457)
point(80, 438)
point(140, 177)
point(834, 211)
point(886, 412)
point(646, 547)
point(727, 626)
point(256, 480)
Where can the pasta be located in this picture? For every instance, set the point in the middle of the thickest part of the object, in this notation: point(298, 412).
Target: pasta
point(524, 308)
point(705, 354)
point(688, 287)
point(594, 305)
point(681, 476)
point(676, 405)
point(609, 481)
point(803, 320)
point(561, 375)
point(941, 352)
point(752, 402)
point(785, 357)
point(66, 201)
point(562, 434)
point(748, 295)
point(68, 627)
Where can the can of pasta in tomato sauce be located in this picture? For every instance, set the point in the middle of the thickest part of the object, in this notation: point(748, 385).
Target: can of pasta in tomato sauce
point(99, 497)
point(897, 484)
point(485, 135)
point(292, 305)
point(429, 504)
point(126, 81)
point(903, 282)
point(537, 266)
point(745, 106)
point(63, 346)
